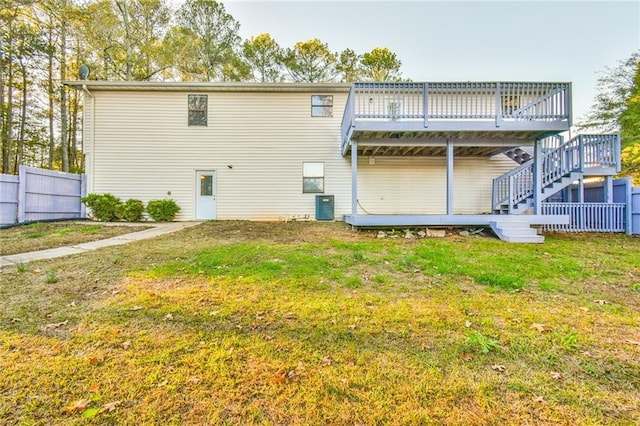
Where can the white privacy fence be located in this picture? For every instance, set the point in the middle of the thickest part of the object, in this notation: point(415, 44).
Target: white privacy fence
point(38, 194)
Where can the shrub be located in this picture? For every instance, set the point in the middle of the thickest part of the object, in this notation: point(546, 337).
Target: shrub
point(162, 210)
point(104, 207)
point(131, 210)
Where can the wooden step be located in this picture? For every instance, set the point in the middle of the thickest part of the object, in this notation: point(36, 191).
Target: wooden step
point(516, 231)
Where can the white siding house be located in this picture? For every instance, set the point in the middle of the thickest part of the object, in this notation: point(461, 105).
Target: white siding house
point(139, 144)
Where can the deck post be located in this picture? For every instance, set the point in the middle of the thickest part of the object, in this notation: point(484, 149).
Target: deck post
point(449, 177)
point(354, 179)
point(628, 199)
point(498, 105)
point(538, 160)
point(425, 94)
point(581, 190)
point(608, 189)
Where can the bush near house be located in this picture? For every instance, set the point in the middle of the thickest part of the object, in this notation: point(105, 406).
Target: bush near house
point(162, 210)
point(104, 207)
point(109, 208)
point(131, 210)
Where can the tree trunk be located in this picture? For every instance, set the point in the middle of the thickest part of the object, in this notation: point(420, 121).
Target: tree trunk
point(122, 5)
point(8, 136)
point(23, 118)
point(64, 145)
point(52, 141)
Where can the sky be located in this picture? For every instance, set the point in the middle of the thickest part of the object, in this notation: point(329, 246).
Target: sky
point(455, 40)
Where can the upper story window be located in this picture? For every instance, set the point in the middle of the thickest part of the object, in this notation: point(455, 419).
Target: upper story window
point(197, 110)
point(322, 105)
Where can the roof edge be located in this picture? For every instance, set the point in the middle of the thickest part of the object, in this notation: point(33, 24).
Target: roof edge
point(206, 86)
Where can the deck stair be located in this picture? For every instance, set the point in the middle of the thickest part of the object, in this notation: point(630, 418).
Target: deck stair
point(516, 231)
point(513, 192)
point(561, 164)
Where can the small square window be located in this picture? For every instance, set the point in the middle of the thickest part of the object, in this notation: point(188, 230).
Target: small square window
point(197, 110)
point(322, 105)
point(313, 178)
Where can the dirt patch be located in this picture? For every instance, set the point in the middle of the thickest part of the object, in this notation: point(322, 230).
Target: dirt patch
point(279, 232)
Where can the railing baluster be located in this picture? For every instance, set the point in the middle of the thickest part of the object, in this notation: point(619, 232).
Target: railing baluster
point(587, 217)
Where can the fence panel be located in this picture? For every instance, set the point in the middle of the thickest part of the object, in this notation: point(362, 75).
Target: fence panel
point(8, 199)
point(635, 210)
point(49, 195)
point(587, 217)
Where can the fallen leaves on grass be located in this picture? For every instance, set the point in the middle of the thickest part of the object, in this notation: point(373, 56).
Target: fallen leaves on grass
point(539, 327)
point(555, 375)
point(466, 357)
point(499, 367)
point(632, 342)
point(109, 407)
point(600, 301)
point(76, 406)
point(53, 326)
point(95, 359)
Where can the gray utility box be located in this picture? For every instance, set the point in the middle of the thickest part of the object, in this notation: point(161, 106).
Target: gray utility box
point(324, 207)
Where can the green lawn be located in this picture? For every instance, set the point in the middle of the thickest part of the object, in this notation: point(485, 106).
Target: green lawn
point(309, 323)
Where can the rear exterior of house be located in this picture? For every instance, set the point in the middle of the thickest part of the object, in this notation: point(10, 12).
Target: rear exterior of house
point(380, 154)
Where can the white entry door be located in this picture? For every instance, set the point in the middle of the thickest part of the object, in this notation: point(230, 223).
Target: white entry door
point(205, 194)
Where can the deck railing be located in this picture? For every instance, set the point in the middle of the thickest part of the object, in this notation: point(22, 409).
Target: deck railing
point(587, 217)
point(514, 186)
point(423, 103)
point(580, 153)
point(601, 151)
point(467, 100)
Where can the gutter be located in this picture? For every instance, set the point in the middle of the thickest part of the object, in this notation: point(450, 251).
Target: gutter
point(208, 86)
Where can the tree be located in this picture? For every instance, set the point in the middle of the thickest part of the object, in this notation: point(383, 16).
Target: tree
point(617, 109)
point(143, 24)
point(614, 89)
point(209, 39)
point(348, 66)
point(630, 130)
point(310, 61)
point(381, 64)
point(264, 55)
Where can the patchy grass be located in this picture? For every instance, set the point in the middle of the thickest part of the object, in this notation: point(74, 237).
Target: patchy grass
point(305, 323)
point(46, 235)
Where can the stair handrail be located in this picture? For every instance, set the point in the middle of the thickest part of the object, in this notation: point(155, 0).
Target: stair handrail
point(532, 109)
point(561, 161)
point(514, 186)
point(601, 151)
point(580, 152)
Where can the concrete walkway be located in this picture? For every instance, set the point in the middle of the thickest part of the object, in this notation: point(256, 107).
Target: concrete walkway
point(158, 229)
